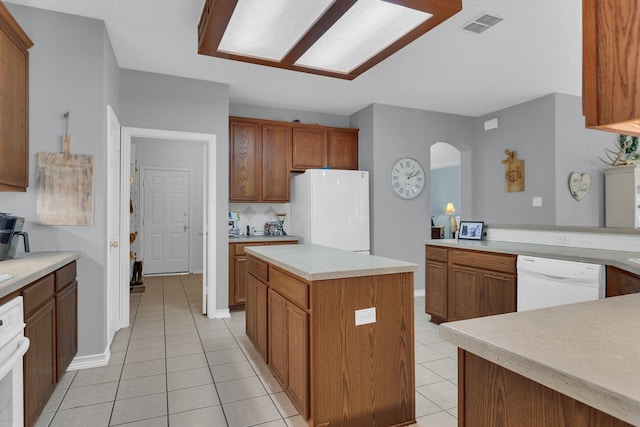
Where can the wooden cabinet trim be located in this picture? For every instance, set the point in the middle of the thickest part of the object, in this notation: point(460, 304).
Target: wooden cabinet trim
point(65, 276)
point(258, 268)
point(437, 253)
point(289, 287)
point(505, 263)
point(38, 293)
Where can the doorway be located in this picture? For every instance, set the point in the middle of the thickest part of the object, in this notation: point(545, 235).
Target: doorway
point(445, 186)
point(206, 143)
point(165, 211)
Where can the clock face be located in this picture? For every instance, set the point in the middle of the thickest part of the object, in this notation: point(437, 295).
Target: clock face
point(407, 178)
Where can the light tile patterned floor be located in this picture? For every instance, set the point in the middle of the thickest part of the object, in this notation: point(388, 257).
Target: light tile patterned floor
point(175, 367)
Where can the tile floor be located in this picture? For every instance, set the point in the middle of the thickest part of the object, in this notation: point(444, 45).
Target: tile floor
point(175, 367)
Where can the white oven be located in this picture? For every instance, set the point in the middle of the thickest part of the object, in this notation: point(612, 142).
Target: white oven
point(13, 346)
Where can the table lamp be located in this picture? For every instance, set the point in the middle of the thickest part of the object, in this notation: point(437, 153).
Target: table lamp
point(450, 210)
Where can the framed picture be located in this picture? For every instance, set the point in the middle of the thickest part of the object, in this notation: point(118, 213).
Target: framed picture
point(471, 230)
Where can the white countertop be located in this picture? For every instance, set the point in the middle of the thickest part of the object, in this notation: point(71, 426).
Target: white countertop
point(314, 262)
point(618, 259)
point(30, 266)
point(588, 351)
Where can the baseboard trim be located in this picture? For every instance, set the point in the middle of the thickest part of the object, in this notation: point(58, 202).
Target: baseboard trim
point(91, 361)
point(419, 293)
point(223, 314)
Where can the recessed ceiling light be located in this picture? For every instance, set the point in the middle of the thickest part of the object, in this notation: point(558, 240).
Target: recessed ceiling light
point(336, 38)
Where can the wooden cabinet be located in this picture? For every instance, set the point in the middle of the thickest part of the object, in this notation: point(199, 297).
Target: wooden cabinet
point(611, 51)
point(14, 104)
point(276, 141)
point(40, 375)
point(322, 359)
point(66, 299)
point(238, 269)
point(437, 232)
point(246, 161)
point(463, 284)
point(436, 275)
point(316, 147)
point(51, 317)
point(620, 282)
point(256, 314)
point(491, 395)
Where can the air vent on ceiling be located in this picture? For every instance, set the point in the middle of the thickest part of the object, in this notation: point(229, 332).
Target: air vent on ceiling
point(482, 23)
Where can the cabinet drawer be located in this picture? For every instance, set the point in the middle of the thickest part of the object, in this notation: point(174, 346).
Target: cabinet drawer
point(258, 268)
point(435, 253)
point(65, 276)
point(504, 263)
point(294, 290)
point(38, 293)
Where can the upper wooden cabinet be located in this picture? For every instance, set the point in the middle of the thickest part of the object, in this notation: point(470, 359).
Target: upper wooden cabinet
point(611, 65)
point(264, 152)
point(316, 147)
point(14, 104)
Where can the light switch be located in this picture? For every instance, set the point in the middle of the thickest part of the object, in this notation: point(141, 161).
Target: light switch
point(537, 202)
point(365, 316)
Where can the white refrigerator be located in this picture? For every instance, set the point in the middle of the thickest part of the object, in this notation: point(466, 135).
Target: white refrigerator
point(330, 207)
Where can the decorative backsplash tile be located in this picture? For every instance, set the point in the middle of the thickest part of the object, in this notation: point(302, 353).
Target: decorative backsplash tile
point(256, 214)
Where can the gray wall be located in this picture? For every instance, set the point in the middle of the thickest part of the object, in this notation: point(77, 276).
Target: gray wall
point(577, 150)
point(401, 227)
point(79, 74)
point(283, 115)
point(158, 101)
point(154, 153)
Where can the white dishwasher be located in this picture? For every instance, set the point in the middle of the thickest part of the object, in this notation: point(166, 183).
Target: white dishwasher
point(545, 282)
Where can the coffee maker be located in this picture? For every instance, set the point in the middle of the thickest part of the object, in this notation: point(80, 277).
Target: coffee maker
point(10, 233)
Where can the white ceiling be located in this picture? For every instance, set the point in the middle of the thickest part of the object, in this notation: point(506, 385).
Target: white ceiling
point(536, 50)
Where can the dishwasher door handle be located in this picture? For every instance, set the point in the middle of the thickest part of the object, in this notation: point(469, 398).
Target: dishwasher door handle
point(546, 276)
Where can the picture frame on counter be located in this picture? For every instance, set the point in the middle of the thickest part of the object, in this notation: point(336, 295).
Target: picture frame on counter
point(471, 230)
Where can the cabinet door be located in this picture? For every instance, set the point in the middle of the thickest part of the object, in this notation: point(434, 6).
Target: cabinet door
point(251, 308)
point(245, 162)
point(343, 149)
point(620, 282)
point(275, 163)
point(39, 361)
point(298, 358)
point(262, 329)
point(498, 293)
point(67, 327)
point(278, 337)
point(239, 286)
point(14, 105)
point(436, 289)
point(308, 148)
point(464, 297)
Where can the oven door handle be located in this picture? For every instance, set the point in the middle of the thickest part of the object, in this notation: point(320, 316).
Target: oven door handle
point(23, 346)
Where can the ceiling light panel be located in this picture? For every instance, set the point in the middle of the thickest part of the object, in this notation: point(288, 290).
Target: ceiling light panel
point(270, 28)
point(367, 28)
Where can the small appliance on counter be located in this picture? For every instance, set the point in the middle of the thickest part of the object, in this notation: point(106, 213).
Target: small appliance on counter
point(234, 224)
point(10, 233)
point(274, 228)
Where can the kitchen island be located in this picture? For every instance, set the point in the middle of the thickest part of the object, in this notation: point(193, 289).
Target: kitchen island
point(571, 365)
point(336, 330)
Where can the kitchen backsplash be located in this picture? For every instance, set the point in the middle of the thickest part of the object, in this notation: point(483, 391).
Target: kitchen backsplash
point(600, 240)
point(256, 214)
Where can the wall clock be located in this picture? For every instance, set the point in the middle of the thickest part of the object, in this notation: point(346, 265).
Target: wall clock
point(407, 178)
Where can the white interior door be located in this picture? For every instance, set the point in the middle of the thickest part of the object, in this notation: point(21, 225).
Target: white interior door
point(165, 221)
point(114, 219)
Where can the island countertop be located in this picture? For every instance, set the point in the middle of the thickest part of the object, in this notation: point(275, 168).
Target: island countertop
point(314, 262)
point(588, 351)
point(31, 266)
point(262, 238)
point(619, 259)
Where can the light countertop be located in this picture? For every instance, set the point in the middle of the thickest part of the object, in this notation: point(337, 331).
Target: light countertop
point(314, 262)
point(256, 239)
point(618, 259)
point(30, 266)
point(588, 351)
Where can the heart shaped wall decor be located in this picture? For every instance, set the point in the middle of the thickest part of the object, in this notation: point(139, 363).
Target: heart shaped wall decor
point(579, 185)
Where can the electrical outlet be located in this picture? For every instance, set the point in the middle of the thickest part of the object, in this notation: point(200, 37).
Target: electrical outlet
point(365, 316)
point(536, 202)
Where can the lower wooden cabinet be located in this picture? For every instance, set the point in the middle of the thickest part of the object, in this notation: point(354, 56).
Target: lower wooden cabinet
point(51, 317)
point(620, 282)
point(463, 284)
point(238, 269)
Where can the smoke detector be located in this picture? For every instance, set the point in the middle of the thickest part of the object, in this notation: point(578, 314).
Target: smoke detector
point(482, 23)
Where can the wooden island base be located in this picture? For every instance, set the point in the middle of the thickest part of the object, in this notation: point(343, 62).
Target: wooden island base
point(490, 395)
point(337, 374)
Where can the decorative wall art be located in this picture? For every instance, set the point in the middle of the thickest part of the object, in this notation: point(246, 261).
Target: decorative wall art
point(513, 172)
point(579, 185)
point(65, 186)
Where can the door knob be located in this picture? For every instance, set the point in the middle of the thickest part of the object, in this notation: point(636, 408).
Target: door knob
point(114, 244)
